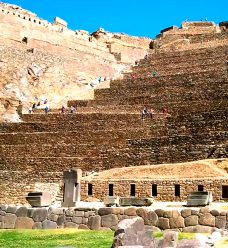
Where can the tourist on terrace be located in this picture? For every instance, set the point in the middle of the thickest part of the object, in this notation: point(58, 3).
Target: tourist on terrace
point(63, 110)
point(72, 109)
point(144, 113)
point(46, 110)
point(154, 73)
point(151, 112)
point(33, 107)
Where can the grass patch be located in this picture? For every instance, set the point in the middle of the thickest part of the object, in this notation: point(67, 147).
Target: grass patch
point(72, 238)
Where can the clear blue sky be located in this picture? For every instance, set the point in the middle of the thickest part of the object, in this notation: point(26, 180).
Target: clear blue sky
point(134, 17)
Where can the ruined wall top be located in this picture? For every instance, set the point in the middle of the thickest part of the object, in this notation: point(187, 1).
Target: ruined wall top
point(16, 9)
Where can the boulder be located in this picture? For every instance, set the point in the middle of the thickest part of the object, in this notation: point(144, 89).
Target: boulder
point(109, 220)
point(40, 214)
point(24, 223)
point(9, 221)
point(131, 232)
point(94, 222)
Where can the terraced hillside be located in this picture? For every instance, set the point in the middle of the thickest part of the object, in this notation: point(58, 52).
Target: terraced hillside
point(108, 132)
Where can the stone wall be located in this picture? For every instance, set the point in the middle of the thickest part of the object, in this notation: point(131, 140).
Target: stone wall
point(165, 188)
point(187, 220)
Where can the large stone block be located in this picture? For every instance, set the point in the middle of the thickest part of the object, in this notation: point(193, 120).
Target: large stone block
point(24, 223)
point(22, 212)
point(47, 224)
point(37, 225)
point(177, 222)
point(191, 220)
point(135, 201)
point(130, 211)
point(94, 222)
point(159, 212)
point(108, 210)
point(40, 214)
point(163, 223)
point(61, 219)
point(207, 219)
point(220, 222)
point(11, 209)
point(185, 212)
point(9, 221)
point(109, 220)
point(151, 218)
point(131, 233)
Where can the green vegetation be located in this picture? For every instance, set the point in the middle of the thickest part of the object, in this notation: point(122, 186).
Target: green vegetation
point(71, 238)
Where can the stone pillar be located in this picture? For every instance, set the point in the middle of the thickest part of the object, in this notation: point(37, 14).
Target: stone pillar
point(71, 192)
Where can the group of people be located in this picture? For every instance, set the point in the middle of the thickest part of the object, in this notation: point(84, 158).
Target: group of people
point(146, 112)
point(40, 105)
point(71, 110)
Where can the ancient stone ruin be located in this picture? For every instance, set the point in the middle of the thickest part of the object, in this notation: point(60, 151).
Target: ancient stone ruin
point(176, 146)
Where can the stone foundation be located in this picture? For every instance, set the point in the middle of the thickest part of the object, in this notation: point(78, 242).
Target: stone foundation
point(187, 220)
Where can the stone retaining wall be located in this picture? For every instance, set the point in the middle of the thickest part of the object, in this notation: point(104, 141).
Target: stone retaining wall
point(187, 220)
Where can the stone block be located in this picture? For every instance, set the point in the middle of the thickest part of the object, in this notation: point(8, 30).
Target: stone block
point(207, 220)
point(173, 213)
point(112, 201)
point(77, 220)
point(61, 219)
point(194, 212)
point(214, 212)
point(191, 220)
point(2, 213)
point(70, 212)
point(83, 226)
point(130, 211)
point(185, 212)
point(47, 224)
point(40, 214)
point(142, 212)
point(58, 211)
point(85, 220)
point(30, 212)
point(205, 210)
point(159, 212)
point(163, 223)
point(11, 209)
point(71, 225)
point(9, 221)
point(22, 212)
point(152, 218)
point(37, 225)
point(1, 218)
point(176, 222)
point(79, 213)
point(220, 222)
point(24, 223)
point(53, 217)
point(94, 222)
point(3, 207)
point(109, 210)
point(135, 201)
point(131, 233)
point(39, 199)
point(109, 220)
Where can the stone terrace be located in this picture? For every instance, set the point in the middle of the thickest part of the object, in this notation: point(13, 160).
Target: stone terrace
point(108, 132)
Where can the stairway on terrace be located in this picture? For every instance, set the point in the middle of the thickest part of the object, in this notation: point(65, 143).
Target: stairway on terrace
point(108, 132)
